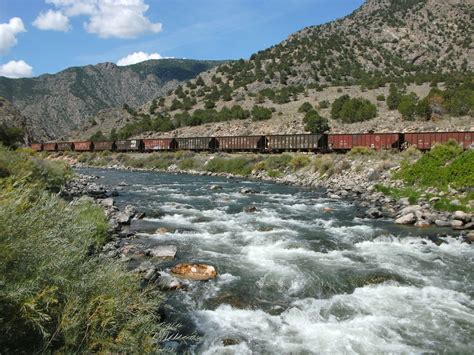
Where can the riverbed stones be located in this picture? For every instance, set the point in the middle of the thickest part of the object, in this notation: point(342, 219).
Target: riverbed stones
point(462, 216)
point(195, 272)
point(456, 224)
point(374, 213)
point(162, 230)
point(442, 223)
point(107, 202)
point(408, 218)
point(422, 223)
point(166, 252)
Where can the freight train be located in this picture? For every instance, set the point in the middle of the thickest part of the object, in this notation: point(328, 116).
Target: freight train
point(317, 143)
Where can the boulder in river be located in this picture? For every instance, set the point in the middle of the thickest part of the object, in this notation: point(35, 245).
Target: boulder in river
point(215, 187)
point(196, 272)
point(250, 209)
point(247, 190)
point(422, 223)
point(406, 219)
point(163, 252)
point(442, 223)
point(457, 224)
point(462, 216)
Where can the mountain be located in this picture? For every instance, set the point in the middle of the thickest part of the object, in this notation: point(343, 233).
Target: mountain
point(59, 103)
point(408, 42)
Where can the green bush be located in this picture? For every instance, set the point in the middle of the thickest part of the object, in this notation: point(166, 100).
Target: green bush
point(300, 161)
point(10, 136)
point(277, 162)
point(407, 106)
point(237, 166)
point(260, 113)
point(361, 151)
point(394, 97)
point(381, 97)
point(305, 107)
point(188, 164)
point(315, 123)
point(445, 164)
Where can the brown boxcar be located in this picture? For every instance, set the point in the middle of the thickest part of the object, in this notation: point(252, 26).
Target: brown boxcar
point(306, 142)
point(65, 146)
point(241, 143)
point(426, 140)
point(37, 146)
point(129, 145)
point(50, 147)
point(83, 146)
point(104, 145)
point(159, 144)
point(378, 141)
point(197, 143)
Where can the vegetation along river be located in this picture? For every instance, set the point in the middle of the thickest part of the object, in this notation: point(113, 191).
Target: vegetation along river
point(302, 273)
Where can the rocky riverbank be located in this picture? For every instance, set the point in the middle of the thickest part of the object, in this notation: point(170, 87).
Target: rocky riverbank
point(122, 244)
point(357, 178)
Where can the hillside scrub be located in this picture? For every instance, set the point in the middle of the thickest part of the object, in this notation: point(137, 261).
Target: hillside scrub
point(350, 110)
point(56, 294)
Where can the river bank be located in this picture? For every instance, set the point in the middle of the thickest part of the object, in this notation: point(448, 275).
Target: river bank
point(363, 176)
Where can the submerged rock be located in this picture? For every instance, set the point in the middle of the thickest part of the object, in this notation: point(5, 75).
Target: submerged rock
point(251, 209)
point(196, 272)
point(215, 187)
point(247, 190)
point(374, 213)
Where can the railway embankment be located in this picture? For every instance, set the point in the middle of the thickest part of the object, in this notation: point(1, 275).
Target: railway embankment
point(415, 189)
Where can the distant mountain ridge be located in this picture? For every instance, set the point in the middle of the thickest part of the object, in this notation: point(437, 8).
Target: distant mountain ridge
point(58, 103)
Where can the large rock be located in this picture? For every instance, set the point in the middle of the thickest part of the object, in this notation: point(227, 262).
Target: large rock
point(406, 219)
point(457, 224)
point(462, 216)
point(422, 223)
point(374, 213)
point(442, 223)
point(163, 252)
point(196, 272)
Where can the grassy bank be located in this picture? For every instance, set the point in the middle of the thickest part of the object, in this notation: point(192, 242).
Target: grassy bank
point(444, 175)
point(56, 294)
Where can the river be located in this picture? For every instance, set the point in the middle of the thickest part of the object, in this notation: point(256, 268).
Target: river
point(303, 273)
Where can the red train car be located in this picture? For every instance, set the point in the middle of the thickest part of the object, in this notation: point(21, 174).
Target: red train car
point(83, 146)
point(426, 140)
point(159, 144)
point(50, 147)
point(37, 147)
point(296, 142)
point(377, 141)
point(241, 143)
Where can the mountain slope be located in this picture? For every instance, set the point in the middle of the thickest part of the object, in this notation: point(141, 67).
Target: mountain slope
point(403, 41)
point(67, 100)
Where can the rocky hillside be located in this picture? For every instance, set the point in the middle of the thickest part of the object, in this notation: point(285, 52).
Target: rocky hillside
point(67, 100)
point(408, 42)
point(11, 117)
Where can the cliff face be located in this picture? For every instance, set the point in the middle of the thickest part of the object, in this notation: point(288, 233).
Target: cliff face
point(67, 100)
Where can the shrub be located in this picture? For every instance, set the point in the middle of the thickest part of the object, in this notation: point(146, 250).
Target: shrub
point(394, 97)
point(260, 113)
point(188, 164)
point(361, 151)
point(407, 106)
point(324, 165)
point(277, 162)
point(381, 97)
point(315, 123)
point(299, 161)
point(324, 104)
point(10, 136)
point(237, 166)
point(305, 107)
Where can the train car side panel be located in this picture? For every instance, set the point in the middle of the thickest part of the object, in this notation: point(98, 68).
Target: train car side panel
point(159, 144)
point(130, 145)
point(104, 145)
point(37, 147)
point(83, 146)
point(65, 146)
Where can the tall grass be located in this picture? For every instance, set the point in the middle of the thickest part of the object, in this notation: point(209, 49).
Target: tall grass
point(56, 294)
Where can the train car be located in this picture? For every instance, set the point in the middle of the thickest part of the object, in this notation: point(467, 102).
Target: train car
point(426, 140)
point(130, 145)
point(297, 142)
point(50, 147)
point(37, 147)
point(86, 146)
point(377, 141)
point(159, 144)
point(242, 143)
point(197, 143)
point(65, 146)
point(101, 146)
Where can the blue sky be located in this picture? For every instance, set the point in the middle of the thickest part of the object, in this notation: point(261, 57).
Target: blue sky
point(46, 36)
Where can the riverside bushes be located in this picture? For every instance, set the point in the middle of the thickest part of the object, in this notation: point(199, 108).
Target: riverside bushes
point(56, 294)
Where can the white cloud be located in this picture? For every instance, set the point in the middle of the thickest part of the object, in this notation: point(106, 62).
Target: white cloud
point(16, 69)
point(111, 18)
point(8, 32)
point(138, 57)
point(52, 20)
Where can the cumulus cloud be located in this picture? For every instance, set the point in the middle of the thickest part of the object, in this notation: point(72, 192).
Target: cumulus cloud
point(8, 32)
point(138, 57)
point(111, 18)
point(16, 69)
point(53, 21)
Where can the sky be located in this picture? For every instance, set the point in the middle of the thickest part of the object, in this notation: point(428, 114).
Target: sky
point(47, 36)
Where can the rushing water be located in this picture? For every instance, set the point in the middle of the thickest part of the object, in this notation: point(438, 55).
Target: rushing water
point(294, 278)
